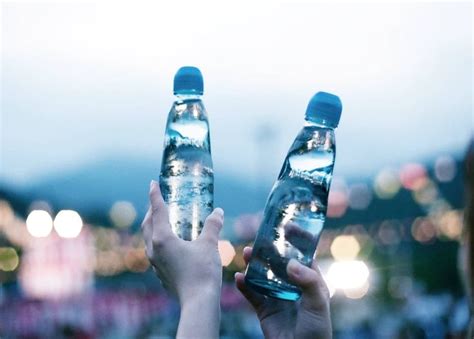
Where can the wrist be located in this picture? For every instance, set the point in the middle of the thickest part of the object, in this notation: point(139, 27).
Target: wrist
point(200, 316)
point(200, 296)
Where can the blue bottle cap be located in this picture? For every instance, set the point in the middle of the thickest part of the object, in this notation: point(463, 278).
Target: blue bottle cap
point(188, 80)
point(324, 108)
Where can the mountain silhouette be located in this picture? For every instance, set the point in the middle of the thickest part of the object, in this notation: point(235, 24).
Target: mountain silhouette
point(94, 188)
point(97, 186)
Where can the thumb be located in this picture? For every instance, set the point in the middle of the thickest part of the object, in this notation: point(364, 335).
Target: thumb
point(159, 211)
point(213, 225)
point(315, 296)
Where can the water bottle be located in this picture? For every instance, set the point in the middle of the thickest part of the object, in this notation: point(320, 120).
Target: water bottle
point(296, 207)
point(187, 177)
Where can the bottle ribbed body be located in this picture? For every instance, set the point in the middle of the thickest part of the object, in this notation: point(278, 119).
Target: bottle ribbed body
point(294, 214)
point(187, 177)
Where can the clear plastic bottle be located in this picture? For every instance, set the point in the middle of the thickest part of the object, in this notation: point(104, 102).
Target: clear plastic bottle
point(187, 177)
point(296, 207)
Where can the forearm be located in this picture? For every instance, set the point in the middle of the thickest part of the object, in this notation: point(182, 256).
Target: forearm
point(200, 317)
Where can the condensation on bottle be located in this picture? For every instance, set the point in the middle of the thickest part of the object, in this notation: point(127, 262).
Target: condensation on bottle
point(296, 208)
point(187, 177)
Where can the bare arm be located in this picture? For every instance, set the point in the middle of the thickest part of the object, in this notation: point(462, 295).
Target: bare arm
point(200, 317)
point(191, 270)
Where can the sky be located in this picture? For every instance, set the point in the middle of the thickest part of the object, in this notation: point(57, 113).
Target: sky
point(83, 82)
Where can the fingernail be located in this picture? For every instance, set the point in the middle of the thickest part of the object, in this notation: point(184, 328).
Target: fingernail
point(294, 267)
point(152, 184)
point(219, 211)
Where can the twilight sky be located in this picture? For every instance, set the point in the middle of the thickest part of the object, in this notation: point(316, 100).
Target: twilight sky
point(83, 82)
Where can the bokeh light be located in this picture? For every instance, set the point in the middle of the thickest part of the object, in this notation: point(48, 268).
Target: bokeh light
point(108, 263)
point(413, 176)
point(450, 224)
point(122, 214)
point(329, 285)
point(438, 207)
point(386, 184)
point(325, 242)
point(360, 196)
point(9, 259)
point(388, 233)
point(39, 223)
point(6, 214)
point(52, 268)
point(445, 168)
point(363, 237)
point(136, 261)
point(246, 226)
point(68, 224)
point(106, 239)
point(239, 261)
point(338, 200)
point(348, 275)
point(358, 292)
point(345, 247)
point(426, 194)
point(423, 230)
point(337, 204)
point(226, 251)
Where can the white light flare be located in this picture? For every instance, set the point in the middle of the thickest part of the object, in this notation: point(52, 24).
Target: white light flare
point(39, 223)
point(349, 276)
point(68, 224)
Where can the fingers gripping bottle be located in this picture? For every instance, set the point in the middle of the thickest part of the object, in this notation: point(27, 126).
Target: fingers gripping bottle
point(296, 207)
point(187, 177)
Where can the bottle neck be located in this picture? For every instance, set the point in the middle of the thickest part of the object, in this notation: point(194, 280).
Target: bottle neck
point(187, 97)
point(321, 123)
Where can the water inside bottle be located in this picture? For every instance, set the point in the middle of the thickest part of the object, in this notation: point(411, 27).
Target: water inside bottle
point(295, 213)
point(187, 177)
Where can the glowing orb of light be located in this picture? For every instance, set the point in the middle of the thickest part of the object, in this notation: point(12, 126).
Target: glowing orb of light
point(226, 251)
point(345, 247)
point(39, 223)
point(68, 224)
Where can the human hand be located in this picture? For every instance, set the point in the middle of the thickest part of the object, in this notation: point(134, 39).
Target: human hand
point(191, 270)
point(308, 317)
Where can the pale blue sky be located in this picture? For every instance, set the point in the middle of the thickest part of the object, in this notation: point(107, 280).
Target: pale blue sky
point(81, 82)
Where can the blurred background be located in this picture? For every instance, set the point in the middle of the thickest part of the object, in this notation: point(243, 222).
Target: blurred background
point(85, 92)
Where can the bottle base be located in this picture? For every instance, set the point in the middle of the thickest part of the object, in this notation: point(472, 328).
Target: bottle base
point(272, 289)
